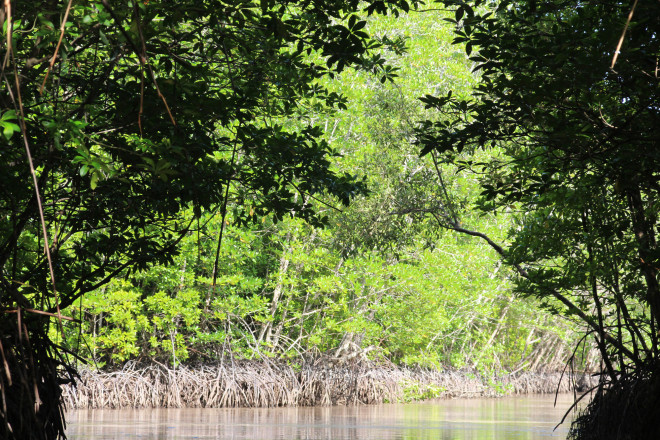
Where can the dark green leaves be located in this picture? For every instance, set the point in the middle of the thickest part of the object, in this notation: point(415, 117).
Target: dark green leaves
point(238, 77)
point(431, 101)
point(574, 148)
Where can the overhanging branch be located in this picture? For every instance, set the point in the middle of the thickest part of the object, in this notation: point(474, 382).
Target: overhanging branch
point(556, 294)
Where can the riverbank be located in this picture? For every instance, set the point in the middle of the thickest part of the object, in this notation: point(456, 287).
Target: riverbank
point(257, 384)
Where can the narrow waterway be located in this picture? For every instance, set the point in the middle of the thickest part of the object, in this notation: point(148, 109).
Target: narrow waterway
point(527, 417)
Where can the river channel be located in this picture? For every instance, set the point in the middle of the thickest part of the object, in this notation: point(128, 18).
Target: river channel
point(526, 417)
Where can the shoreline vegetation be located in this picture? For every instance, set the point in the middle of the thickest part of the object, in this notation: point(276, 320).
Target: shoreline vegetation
point(269, 384)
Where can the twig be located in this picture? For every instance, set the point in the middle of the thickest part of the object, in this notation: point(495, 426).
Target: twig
point(9, 32)
point(142, 56)
point(40, 312)
point(143, 61)
point(18, 102)
point(57, 48)
point(225, 200)
point(623, 34)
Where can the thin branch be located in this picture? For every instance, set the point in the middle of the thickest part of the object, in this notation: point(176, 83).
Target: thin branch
point(322, 202)
point(572, 307)
point(18, 102)
point(623, 34)
point(141, 54)
point(39, 312)
point(444, 187)
point(57, 48)
point(225, 200)
point(144, 61)
point(9, 32)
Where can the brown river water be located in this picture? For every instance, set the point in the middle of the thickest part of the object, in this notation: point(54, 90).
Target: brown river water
point(525, 417)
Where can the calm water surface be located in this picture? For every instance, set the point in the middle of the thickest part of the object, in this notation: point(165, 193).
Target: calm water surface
point(528, 418)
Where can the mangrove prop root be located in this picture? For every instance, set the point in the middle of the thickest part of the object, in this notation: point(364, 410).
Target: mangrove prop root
point(626, 409)
point(259, 384)
point(31, 377)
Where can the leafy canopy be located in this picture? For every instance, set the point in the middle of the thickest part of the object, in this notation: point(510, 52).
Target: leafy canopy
point(576, 129)
point(133, 111)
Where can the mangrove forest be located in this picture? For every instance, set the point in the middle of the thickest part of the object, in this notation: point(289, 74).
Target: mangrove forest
point(223, 203)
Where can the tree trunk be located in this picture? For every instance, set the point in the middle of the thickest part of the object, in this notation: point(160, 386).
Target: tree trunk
point(266, 329)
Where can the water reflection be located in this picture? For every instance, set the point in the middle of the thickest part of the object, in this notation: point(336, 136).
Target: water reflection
point(525, 418)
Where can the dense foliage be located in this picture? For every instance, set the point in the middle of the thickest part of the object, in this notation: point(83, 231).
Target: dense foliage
point(379, 281)
point(186, 155)
point(568, 96)
point(120, 117)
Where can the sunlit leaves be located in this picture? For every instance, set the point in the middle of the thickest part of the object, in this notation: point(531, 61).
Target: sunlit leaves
point(8, 124)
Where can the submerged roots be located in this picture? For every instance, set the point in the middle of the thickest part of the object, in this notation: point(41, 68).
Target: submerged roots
point(31, 376)
point(626, 410)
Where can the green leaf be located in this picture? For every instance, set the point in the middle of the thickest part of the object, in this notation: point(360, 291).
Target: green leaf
point(8, 115)
point(8, 129)
point(93, 182)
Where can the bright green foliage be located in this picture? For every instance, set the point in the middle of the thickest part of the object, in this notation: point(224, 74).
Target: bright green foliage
point(174, 308)
point(115, 320)
point(168, 315)
point(413, 391)
point(8, 124)
point(381, 279)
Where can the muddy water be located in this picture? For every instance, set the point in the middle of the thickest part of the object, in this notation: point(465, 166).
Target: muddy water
point(528, 418)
